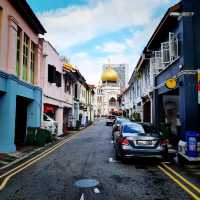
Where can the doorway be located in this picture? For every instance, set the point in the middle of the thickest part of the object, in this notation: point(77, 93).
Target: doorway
point(147, 111)
point(21, 120)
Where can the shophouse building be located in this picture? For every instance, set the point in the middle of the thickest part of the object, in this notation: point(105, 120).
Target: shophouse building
point(175, 95)
point(165, 78)
point(20, 59)
point(57, 88)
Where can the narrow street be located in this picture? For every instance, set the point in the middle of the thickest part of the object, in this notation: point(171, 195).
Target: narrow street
point(90, 156)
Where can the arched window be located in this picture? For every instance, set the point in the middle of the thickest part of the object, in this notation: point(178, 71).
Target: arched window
point(112, 102)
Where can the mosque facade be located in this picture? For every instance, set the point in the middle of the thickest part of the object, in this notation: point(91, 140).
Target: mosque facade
point(107, 92)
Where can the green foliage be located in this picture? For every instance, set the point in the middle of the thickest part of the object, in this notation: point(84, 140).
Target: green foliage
point(138, 75)
point(136, 116)
point(165, 131)
point(43, 136)
point(78, 124)
point(30, 137)
point(38, 136)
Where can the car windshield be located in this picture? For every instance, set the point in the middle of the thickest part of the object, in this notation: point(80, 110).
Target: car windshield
point(133, 128)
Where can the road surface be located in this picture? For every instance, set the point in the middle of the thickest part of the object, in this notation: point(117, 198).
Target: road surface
point(91, 156)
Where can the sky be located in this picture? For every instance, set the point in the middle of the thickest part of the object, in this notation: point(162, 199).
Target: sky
point(91, 32)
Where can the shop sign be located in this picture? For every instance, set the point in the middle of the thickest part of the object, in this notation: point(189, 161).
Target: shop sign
point(49, 108)
point(170, 83)
point(198, 86)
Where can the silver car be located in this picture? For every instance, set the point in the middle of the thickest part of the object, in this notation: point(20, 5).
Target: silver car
point(132, 141)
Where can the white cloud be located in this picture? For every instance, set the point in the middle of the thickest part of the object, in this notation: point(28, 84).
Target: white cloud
point(91, 67)
point(112, 47)
point(77, 24)
point(68, 27)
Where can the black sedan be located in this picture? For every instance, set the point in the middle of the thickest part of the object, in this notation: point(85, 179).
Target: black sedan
point(132, 141)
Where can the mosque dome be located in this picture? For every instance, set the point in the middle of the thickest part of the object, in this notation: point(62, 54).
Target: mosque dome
point(109, 74)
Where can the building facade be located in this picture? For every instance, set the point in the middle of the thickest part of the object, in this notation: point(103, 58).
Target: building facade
point(20, 59)
point(107, 92)
point(57, 88)
point(164, 82)
point(123, 74)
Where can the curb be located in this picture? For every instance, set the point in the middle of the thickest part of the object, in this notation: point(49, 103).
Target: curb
point(38, 150)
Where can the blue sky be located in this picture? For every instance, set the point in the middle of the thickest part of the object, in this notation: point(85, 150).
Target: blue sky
point(89, 32)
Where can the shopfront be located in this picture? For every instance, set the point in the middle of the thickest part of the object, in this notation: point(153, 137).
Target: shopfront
point(20, 106)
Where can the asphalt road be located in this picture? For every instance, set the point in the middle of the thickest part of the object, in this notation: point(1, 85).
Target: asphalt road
point(88, 157)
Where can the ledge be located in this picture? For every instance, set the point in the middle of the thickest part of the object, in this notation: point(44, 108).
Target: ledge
point(16, 79)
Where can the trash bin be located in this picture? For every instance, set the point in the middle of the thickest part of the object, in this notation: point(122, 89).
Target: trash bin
point(192, 141)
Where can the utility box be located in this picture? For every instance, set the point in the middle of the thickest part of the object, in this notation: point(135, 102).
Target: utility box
point(192, 138)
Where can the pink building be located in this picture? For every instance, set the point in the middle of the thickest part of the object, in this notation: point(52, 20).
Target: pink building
point(20, 62)
point(57, 88)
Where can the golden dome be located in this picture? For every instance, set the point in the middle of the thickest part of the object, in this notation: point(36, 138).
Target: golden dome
point(109, 74)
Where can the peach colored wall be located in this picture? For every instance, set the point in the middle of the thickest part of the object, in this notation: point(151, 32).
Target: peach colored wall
point(10, 20)
point(50, 89)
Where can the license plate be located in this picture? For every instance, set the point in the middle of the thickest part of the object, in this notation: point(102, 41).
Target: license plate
point(144, 142)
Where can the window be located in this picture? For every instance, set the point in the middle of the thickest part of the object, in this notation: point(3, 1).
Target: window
point(18, 51)
point(165, 53)
point(58, 79)
point(155, 64)
point(25, 57)
point(76, 91)
point(173, 46)
point(51, 74)
point(67, 86)
point(133, 128)
point(32, 66)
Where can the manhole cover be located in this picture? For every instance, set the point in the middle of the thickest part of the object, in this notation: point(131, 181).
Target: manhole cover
point(86, 183)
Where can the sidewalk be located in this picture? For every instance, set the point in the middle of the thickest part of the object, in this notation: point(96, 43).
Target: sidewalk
point(7, 160)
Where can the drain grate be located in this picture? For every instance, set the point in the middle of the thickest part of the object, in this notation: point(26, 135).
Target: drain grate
point(86, 183)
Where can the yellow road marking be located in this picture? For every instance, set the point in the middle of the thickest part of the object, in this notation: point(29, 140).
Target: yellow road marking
point(182, 178)
point(180, 184)
point(3, 175)
point(32, 161)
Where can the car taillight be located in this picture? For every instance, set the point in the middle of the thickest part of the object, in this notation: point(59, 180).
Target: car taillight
point(164, 142)
point(124, 141)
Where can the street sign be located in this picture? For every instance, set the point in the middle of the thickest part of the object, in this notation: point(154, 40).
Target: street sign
point(170, 83)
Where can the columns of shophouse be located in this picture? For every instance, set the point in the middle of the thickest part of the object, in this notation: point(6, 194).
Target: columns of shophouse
point(34, 109)
point(59, 119)
point(7, 117)
point(12, 46)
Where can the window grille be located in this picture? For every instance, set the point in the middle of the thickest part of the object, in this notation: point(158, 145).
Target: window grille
point(165, 53)
point(173, 46)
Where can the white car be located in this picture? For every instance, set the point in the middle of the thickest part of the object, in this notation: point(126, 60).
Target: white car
point(50, 124)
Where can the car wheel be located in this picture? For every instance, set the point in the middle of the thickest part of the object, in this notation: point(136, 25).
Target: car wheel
point(124, 160)
point(117, 157)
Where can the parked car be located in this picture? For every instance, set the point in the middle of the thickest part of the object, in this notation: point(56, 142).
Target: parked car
point(132, 141)
point(50, 124)
point(110, 120)
point(117, 124)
